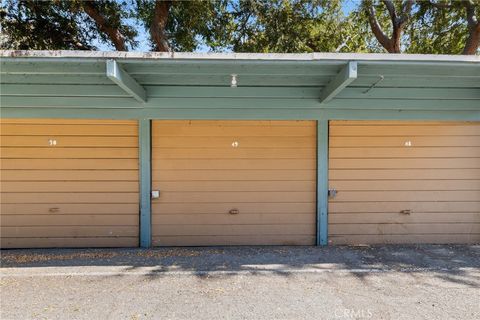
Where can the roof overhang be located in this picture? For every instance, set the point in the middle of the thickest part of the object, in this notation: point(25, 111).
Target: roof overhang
point(203, 80)
point(315, 56)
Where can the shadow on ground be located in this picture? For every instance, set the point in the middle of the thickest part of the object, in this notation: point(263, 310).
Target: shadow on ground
point(449, 261)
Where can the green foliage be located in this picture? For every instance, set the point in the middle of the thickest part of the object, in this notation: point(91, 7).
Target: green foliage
point(191, 24)
point(232, 25)
point(116, 14)
point(357, 30)
point(436, 30)
point(434, 27)
point(41, 25)
point(294, 26)
point(56, 25)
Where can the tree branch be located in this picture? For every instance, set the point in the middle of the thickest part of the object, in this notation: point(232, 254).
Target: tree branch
point(114, 34)
point(159, 23)
point(377, 29)
point(391, 44)
point(391, 9)
point(399, 24)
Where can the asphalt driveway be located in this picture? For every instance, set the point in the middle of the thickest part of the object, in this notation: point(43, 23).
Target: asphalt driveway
point(379, 282)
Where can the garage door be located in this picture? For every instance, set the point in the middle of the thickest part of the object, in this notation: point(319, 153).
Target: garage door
point(404, 182)
point(233, 182)
point(69, 183)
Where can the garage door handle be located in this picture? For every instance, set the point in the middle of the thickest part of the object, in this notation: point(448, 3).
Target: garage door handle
point(406, 211)
point(234, 211)
point(332, 193)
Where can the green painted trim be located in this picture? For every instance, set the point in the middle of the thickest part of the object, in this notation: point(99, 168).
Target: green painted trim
point(322, 183)
point(300, 92)
point(260, 81)
point(125, 81)
point(144, 145)
point(238, 114)
point(445, 115)
point(199, 65)
point(346, 76)
point(238, 103)
point(64, 90)
point(71, 113)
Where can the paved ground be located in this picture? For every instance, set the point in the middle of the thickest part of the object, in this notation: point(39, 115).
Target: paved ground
point(383, 282)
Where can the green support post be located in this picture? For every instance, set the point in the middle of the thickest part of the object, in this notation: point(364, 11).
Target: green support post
point(322, 182)
point(144, 143)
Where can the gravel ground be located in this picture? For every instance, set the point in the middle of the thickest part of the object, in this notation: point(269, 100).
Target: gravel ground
point(380, 282)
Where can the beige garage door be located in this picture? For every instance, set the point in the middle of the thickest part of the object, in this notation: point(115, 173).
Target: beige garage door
point(69, 183)
point(404, 182)
point(233, 182)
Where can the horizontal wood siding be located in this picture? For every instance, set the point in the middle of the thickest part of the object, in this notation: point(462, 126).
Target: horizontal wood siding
point(380, 168)
point(269, 178)
point(81, 192)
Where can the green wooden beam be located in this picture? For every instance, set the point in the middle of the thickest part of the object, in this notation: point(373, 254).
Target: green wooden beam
point(113, 91)
point(70, 113)
point(63, 90)
point(419, 69)
point(346, 76)
point(239, 103)
point(238, 114)
point(411, 93)
point(144, 154)
point(54, 79)
point(284, 80)
point(425, 81)
point(125, 81)
point(322, 182)
point(260, 68)
point(437, 115)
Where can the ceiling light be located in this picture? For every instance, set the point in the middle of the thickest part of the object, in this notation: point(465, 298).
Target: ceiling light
point(233, 83)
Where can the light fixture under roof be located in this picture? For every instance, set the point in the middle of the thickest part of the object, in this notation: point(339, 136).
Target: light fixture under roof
point(233, 82)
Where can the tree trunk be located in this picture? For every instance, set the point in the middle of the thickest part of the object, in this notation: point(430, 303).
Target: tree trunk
point(392, 45)
point(377, 30)
point(396, 37)
point(473, 40)
point(159, 23)
point(113, 33)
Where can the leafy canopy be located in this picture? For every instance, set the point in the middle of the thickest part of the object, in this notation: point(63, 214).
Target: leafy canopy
point(436, 26)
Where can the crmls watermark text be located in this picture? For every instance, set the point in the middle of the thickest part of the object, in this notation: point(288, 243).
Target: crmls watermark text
point(353, 313)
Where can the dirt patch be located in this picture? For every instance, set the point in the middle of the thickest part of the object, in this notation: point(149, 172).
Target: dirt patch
point(100, 254)
point(29, 258)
